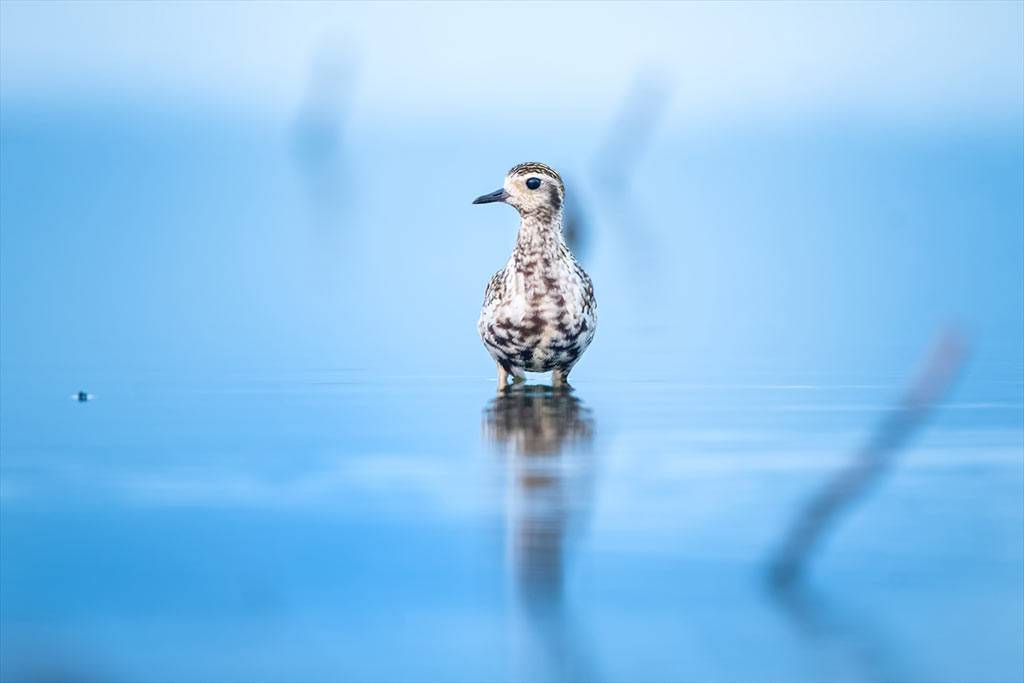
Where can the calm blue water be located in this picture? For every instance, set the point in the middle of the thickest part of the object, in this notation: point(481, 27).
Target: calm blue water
point(338, 525)
point(295, 467)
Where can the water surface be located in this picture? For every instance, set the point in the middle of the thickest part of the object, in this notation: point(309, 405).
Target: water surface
point(334, 524)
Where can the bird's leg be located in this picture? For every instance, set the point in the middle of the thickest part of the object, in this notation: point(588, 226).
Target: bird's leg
point(502, 378)
point(559, 378)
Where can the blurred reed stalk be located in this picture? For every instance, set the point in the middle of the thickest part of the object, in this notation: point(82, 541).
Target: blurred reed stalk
point(823, 511)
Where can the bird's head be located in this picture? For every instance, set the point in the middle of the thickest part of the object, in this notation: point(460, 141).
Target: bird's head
point(532, 188)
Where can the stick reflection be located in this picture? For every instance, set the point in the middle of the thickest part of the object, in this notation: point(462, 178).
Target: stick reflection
point(545, 435)
point(815, 618)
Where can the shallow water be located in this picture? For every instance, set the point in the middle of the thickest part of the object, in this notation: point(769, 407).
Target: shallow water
point(294, 466)
point(335, 525)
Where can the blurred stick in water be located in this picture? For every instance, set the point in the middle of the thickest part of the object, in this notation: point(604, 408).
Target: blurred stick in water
point(318, 132)
point(631, 132)
point(575, 225)
point(941, 368)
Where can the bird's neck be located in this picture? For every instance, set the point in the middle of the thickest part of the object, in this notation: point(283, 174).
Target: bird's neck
point(540, 232)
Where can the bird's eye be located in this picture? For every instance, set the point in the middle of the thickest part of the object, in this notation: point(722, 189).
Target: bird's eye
point(533, 183)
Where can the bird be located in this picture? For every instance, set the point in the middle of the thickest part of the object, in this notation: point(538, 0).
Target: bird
point(539, 312)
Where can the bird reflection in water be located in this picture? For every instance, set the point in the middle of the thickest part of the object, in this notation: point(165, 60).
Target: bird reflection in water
point(544, 437)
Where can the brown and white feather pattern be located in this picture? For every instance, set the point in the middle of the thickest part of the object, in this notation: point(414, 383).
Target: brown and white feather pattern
point(539, 311)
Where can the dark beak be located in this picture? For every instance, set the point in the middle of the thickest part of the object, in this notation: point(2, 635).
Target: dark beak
point(496, 196)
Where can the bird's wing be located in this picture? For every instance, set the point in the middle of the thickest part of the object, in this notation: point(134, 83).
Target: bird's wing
point(495, 288)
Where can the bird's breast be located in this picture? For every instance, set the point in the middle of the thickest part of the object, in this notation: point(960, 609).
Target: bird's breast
point(543, 319)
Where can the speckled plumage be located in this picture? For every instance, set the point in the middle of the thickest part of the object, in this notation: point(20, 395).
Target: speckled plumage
point(539, 311)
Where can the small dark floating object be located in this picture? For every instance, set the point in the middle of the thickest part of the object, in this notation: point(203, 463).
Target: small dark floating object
point(83, 396)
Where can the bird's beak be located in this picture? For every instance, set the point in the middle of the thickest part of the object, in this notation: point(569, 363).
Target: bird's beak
point(496, 196)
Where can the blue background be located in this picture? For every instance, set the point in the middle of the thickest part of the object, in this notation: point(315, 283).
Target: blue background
point(246, 228)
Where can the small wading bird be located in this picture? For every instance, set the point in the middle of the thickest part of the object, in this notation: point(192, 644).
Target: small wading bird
point(539, 311)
